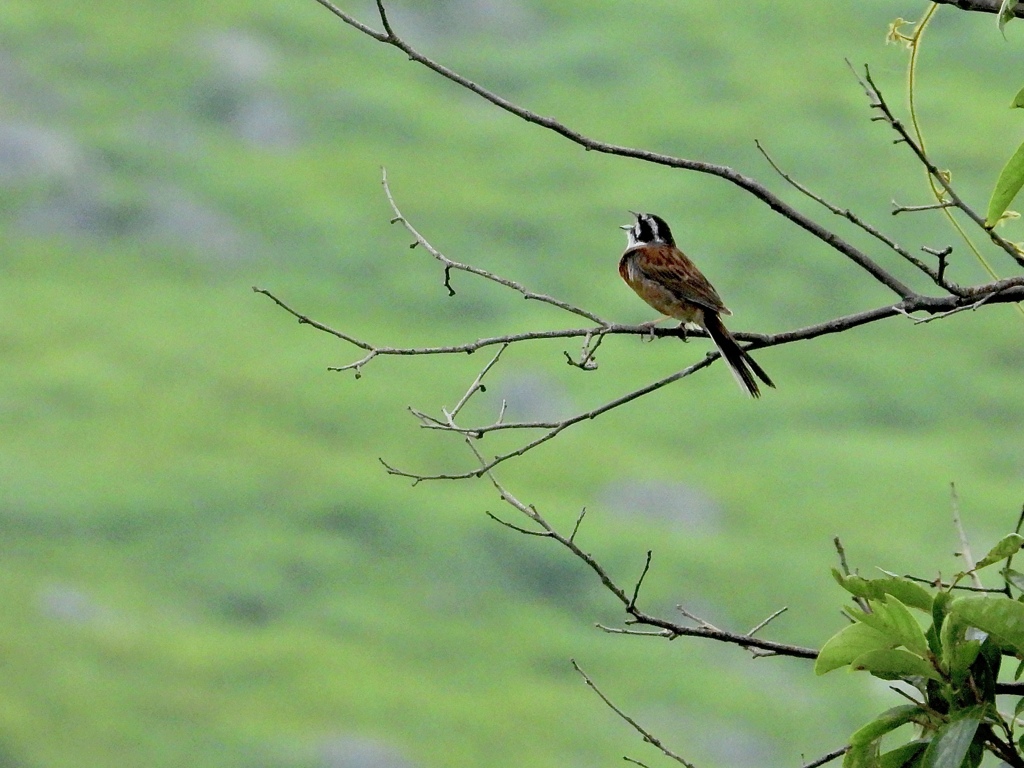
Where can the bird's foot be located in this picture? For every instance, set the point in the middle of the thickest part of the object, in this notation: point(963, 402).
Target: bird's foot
point(649, 326)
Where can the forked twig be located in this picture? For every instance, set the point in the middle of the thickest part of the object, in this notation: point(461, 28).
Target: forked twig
point(850, 216)
point(449, 265)
point(879, 103)
point(670, 629)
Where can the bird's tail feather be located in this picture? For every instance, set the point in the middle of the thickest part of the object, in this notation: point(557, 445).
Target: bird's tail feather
point(741, 364)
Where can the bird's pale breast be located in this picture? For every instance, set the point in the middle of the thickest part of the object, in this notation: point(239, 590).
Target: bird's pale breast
point(655, 294)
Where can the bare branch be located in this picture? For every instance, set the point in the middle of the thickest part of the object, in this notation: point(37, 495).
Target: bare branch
point(476, 386)
point(748, 184)
point(450, 265)
point(850, 216)
point(649, 737)
point(942, 315)
point(304, 320)
point(878, 103)
point(670, 629)
point(1002, 291)
point(984, 6)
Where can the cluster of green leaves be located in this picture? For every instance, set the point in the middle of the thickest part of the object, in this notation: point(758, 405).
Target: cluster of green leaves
point(954, 665)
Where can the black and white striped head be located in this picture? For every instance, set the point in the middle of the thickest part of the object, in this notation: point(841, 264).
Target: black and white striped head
point(647, 230)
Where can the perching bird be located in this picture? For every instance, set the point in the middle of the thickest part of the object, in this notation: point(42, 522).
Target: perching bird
point(664, 277)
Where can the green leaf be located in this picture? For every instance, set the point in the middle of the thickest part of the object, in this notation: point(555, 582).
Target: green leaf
point(975, 755)
point(951, 638)
point(892, 618)
point(894, 664)
point(1001, 617)
point(1006, 13)
point(889, 720)
point(1014, 577)
point(940, 607)
point(959, 659)
point(906, 590)
point(1008, 546)
point(1018, 100)
point(1019, 708)
point(905, 756)
point(904, 624)
point(861, 756)
point(848, 644)
point(1010, 180)
point(949, 747)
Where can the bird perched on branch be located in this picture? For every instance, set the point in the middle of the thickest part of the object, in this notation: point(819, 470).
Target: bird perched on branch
point(665, 278)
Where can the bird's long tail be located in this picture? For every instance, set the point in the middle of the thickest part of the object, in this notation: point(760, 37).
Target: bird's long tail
point(742, 365)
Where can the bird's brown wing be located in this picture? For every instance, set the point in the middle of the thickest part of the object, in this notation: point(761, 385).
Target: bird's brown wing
point(671, 269)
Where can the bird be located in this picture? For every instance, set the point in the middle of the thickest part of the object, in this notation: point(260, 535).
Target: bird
point(663, 276)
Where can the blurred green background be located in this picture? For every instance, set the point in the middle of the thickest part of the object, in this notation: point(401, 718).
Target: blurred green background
point(203, 562)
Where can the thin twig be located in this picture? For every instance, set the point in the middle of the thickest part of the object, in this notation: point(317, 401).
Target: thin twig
point(767, 621)
point(639, 582)
point(972, 307)
point(879, 103)
point(942, 254)
point(827, 758)
point(897, 209)
point(860, 601)
point(702, 623)
point(637, 632)
point(965, 546)
point(940, 584)
point(850, 216)
point(671, 629)
point(476, 386)
point(649, 737)
point(514, 527)
point(576, 527)
point(450, 265)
